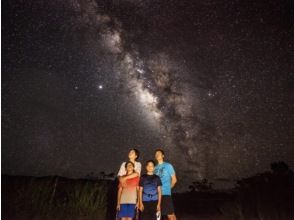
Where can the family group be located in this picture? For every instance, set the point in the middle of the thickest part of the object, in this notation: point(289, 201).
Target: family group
point(147, 196)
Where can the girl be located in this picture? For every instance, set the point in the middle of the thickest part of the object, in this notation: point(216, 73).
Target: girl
point(150, 193)
point(127, 195)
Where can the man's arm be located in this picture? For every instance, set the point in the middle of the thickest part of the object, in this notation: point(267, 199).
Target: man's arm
point(173, 180)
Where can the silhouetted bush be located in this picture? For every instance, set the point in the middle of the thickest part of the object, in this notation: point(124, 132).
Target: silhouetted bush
point(265, 196)
point(201, 186)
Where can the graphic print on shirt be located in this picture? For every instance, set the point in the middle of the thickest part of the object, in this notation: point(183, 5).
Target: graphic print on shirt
point(165, 171)
point(150, 184)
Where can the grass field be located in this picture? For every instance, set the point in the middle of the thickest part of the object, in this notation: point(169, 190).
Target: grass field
point(267, 196)
point(53, 198)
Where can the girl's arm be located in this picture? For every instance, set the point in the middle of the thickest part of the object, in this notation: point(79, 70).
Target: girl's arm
point(118, 198)
point(159, 198)
point(138, 199)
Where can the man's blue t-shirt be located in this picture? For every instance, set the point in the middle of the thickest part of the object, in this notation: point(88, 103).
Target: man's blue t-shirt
point(165, 171)
point(150, 184)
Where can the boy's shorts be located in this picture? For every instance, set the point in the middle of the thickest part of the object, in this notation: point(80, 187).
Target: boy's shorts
point(167, 206)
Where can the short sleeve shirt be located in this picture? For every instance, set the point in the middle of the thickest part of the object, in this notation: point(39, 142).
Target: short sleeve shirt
point(122, 171)
point(165, 171)
point(150, 184)
point(129, 192)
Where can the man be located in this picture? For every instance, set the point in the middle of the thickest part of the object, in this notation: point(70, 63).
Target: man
point(168, 178)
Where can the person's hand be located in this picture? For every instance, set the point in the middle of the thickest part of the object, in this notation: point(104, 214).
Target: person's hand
point(141, 207)
point(158, 208)
point(118, 207)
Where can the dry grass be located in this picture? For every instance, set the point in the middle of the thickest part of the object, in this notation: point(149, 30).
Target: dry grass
point(54, 198)
point(267, 196)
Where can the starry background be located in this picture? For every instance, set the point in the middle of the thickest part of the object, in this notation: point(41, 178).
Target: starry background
point(210, 82)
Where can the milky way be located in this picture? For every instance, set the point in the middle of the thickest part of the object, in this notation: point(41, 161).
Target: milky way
point(156, 85)
point(209, 83)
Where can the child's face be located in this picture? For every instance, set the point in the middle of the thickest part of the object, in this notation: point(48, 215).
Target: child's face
point(159, 155)
point(150, 167)
point(132, 155)
point(130, 167)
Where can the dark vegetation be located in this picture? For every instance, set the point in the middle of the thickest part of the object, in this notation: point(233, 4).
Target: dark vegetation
point(265, 196)
point(53, 198)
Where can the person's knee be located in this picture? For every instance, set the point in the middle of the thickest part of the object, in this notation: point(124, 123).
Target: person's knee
point(172, 217)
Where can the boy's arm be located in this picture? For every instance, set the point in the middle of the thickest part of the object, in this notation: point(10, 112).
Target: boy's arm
point(173, 180)
point(173, 175)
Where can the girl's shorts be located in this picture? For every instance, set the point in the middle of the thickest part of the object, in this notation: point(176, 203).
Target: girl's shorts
point(127, 210)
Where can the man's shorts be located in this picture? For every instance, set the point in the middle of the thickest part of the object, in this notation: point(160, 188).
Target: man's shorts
point(167, 206)
point(127, 210)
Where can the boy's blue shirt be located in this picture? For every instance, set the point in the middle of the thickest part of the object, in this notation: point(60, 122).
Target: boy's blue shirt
point(165, 171)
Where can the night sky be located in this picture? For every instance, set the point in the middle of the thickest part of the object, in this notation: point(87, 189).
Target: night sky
point(210, 82)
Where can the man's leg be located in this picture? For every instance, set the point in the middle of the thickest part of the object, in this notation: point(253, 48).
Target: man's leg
point(172, 217)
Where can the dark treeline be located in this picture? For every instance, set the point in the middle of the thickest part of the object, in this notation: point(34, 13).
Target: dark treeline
point(264, 196)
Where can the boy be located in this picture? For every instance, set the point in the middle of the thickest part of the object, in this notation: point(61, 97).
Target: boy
point(168, 178)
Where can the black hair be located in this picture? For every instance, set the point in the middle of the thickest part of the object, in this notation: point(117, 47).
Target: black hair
point(136, 152)
point(160, 150)
point(150, 161)
point(130, 163)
